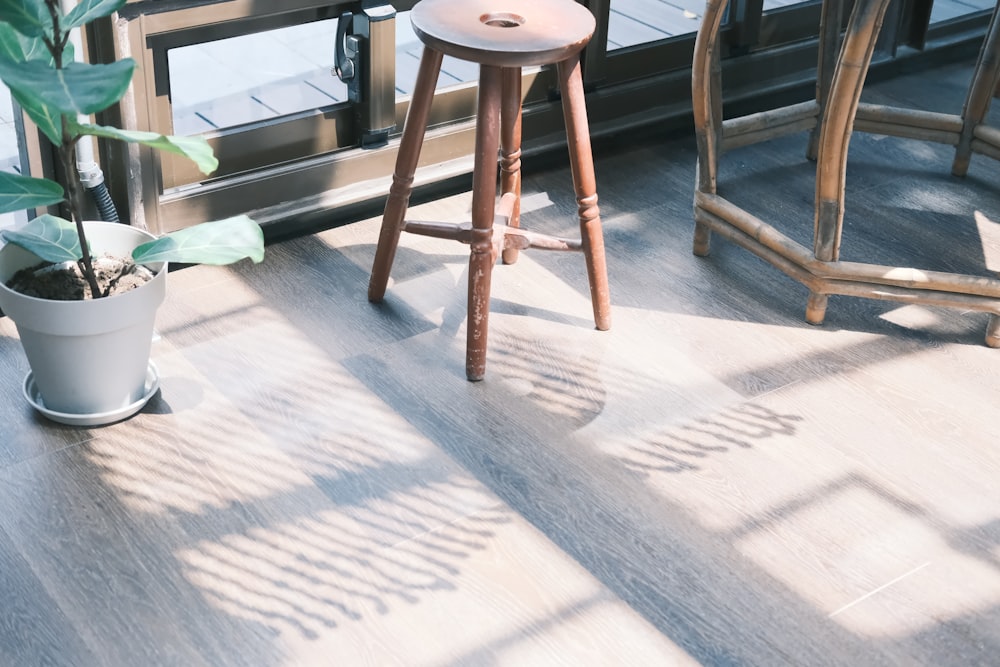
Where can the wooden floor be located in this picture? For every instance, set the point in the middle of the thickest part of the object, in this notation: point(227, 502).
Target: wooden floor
point(712, 482)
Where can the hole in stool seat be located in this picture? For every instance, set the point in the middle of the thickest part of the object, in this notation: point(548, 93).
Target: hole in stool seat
point(502, 19)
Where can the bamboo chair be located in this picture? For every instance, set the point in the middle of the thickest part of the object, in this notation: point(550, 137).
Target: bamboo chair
point(832, 116)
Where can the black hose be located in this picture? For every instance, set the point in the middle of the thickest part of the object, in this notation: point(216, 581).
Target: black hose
point(105, 207)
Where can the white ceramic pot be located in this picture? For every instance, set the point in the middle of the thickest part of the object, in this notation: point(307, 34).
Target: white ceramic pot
point(89, 359)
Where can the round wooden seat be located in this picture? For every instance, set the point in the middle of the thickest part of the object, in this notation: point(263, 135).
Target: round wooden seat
point(504, 33)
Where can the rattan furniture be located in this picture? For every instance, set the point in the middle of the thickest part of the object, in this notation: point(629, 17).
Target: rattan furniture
point(832, 116)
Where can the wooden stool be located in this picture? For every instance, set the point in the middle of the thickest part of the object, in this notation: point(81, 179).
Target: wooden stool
point(502, 37)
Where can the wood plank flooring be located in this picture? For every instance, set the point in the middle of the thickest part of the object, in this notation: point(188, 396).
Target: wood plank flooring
point(711, 482)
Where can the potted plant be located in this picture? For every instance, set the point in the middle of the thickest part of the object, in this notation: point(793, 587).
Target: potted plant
point(89, 352)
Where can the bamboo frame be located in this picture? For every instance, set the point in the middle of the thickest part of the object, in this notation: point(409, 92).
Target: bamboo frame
point(832, 117)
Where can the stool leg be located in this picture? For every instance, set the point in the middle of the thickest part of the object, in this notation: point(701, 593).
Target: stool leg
point(482, 255)
point(981, 91)
point(510, 148)
point(402, 178)
point(581, 163)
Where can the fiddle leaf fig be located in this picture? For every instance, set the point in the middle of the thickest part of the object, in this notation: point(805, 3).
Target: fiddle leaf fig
point(52, 239)
point(219, 242)
point(28, 18)
point(46, 94)
point(20, 192)
point(19, 48)
point(58, 93)
point(86, 11)
point(195, 149)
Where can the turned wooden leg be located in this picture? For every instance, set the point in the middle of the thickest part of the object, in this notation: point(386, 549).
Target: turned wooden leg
point(581, 163)
point(402, 177)
point(482, 254)
point(510, 149)
point(981, 90)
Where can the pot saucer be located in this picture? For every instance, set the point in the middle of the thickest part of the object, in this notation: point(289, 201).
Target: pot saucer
point(96, 418)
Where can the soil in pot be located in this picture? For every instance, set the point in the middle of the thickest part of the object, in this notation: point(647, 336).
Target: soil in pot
point(65, 282)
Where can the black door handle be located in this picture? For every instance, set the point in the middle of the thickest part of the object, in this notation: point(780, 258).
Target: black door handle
point(344, 66)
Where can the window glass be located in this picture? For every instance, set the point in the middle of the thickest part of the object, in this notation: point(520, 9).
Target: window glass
point(254, 77)
point(632, 22)
point(943, 10)
point(408, 51)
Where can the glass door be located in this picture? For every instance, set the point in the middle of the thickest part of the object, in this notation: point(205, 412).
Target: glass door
point(302, 143)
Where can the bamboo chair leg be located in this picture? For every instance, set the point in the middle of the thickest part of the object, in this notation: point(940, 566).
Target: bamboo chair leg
point(816, 307)
point(985, 79)
point(406, 166)
point(993, 331)
point(706, 95)
point(837, 124)
point(581, 162)
point(702, 246)
point(829, 47)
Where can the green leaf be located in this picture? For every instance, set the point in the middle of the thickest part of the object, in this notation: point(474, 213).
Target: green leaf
point(220, 242)
point(18, 48)
point(52, 239)
point(28, 17)
point(20, 192)
point(80, 88)
point(48, 120)
point(88, 10)
point(194, 148)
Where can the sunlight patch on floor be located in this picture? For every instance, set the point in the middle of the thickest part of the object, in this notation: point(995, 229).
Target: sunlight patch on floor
point(989, 231)
point(871, 562)
point(507, 592)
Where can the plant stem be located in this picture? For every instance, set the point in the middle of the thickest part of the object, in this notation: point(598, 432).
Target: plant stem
point(67, 157)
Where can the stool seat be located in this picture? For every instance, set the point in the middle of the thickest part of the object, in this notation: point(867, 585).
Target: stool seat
point(505, 33)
